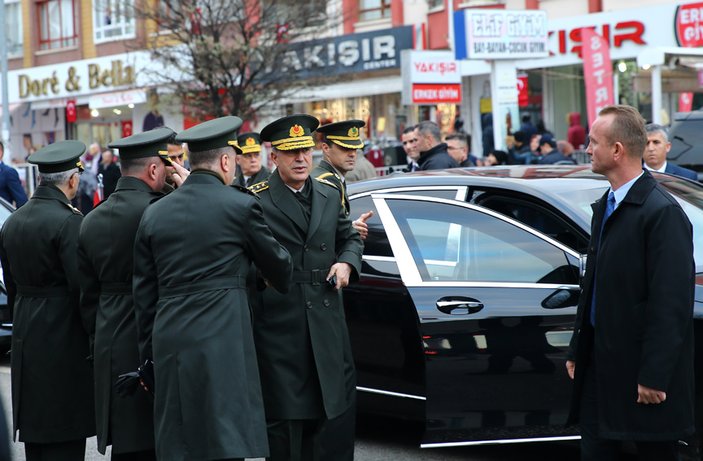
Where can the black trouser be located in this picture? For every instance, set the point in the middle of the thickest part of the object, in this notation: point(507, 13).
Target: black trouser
point(62, 451)
point(294, 440)
point(146, 455)
point(337, 436)
point(595, 448)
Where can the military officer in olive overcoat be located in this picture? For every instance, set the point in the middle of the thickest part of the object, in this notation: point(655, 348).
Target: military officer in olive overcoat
point(192, 254)
point(249, 168)
point(105, 260)
point(52, 381)
point(302, 340)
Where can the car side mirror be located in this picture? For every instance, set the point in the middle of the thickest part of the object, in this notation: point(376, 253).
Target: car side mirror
point(560, 299)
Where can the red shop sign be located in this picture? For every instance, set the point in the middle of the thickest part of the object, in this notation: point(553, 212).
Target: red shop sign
point(71, 113)
point(689, 25)
point(126, 128)
point(436, 93)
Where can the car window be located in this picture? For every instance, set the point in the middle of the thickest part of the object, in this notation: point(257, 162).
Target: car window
point(376, 243)
point(533, 214)
point(452, 243)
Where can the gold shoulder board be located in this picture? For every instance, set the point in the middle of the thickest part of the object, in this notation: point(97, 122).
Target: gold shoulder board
point(259, 186)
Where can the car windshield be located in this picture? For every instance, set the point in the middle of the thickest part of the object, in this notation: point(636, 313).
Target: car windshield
point(688, 194)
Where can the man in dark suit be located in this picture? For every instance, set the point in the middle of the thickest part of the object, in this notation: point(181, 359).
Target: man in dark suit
point(302, 342)
point(433, 152)
point(658, 146)
point(10, 185)
point(52, 379)
point(105, 255)
point(249, 168)
point(192, 254)
point(631, 356)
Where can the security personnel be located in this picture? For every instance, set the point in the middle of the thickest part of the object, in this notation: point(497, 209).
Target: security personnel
point(339, 141)
point(249, 168)
point(191, 256)
point(52, 381)
point(105, 251)
point(301, 338)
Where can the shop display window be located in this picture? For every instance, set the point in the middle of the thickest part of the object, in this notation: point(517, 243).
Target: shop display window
point(57, 24)
point(113, 20)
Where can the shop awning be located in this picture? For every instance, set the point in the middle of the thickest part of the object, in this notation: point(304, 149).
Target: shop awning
point(353, 89)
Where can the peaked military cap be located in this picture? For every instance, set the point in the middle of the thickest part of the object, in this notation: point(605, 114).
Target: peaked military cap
point(291, 133)
point(249, 142)
point(58, 157)
point(147, 144)
point(213, 134)
point(345, 134)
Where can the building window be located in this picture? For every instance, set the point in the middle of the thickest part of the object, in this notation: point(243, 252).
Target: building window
point(57, 24)
point(113, 20)
point(435, 4)
point(374, 9)
point(13, 26)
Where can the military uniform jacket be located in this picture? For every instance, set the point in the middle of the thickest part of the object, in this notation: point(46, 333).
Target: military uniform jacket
point(261, 175)
point(192, 254)
point(302, 339)
point(327, 172)
point(105, 261)
point(52, 382)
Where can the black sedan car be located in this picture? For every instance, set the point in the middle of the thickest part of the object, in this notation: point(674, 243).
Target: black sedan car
point(5, 316)
point(466, 303)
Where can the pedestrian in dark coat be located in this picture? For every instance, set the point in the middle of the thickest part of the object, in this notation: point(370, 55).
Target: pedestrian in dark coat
point(10, 185)
point(106, 260)
point(192, 254)
point(433, 152)
point(631, 356)
point(658, 146)
point(302, 341)
point(52, 382)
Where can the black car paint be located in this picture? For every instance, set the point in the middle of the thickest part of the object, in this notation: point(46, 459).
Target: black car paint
point(492, 375)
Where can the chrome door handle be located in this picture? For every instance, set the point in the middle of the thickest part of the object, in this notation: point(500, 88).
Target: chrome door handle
point(459, 306)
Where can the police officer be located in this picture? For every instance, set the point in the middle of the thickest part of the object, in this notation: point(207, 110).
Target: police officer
point(105, 260)
point(249, 168)
point(191, 257)
point(52, 382)
point(302, 341)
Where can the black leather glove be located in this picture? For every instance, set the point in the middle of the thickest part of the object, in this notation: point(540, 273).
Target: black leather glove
point(127, 383)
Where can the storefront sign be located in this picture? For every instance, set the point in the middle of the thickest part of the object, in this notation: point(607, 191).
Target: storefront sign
point(71, 113)
point(500, 34)
point(430, 77)
point(367, 51)
point(117, 98)
point(75, 79)
point(689, 25)
point(597, 73)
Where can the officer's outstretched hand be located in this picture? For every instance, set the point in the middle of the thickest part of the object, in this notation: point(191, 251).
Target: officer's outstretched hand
point(342, 271)
point(360, 224)
point(179, 174)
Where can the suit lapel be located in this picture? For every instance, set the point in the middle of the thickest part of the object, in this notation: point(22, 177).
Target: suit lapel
point(283, 200)
point(319, 202)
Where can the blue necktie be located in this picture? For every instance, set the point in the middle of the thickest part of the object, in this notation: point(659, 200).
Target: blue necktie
point(609, 207)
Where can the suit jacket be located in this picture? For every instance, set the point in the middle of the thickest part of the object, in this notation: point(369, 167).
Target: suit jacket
point(324, 170)
point(11, 187)
point(52, 379)
point(105, 254)
point(302, 340)
point(680, 171)
point(644, 272)
point(193, 318)
point(261, 175)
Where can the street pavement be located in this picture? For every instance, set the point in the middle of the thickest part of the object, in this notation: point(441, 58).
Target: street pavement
point(378, 439)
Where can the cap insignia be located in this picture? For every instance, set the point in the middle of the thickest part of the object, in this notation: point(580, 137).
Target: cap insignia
point(353, 132)
point(252, 141)
point(296, 131)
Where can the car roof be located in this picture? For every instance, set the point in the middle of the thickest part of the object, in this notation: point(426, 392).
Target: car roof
point(520, 177)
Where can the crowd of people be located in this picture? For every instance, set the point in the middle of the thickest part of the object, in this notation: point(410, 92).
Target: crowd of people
point(196, 311)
